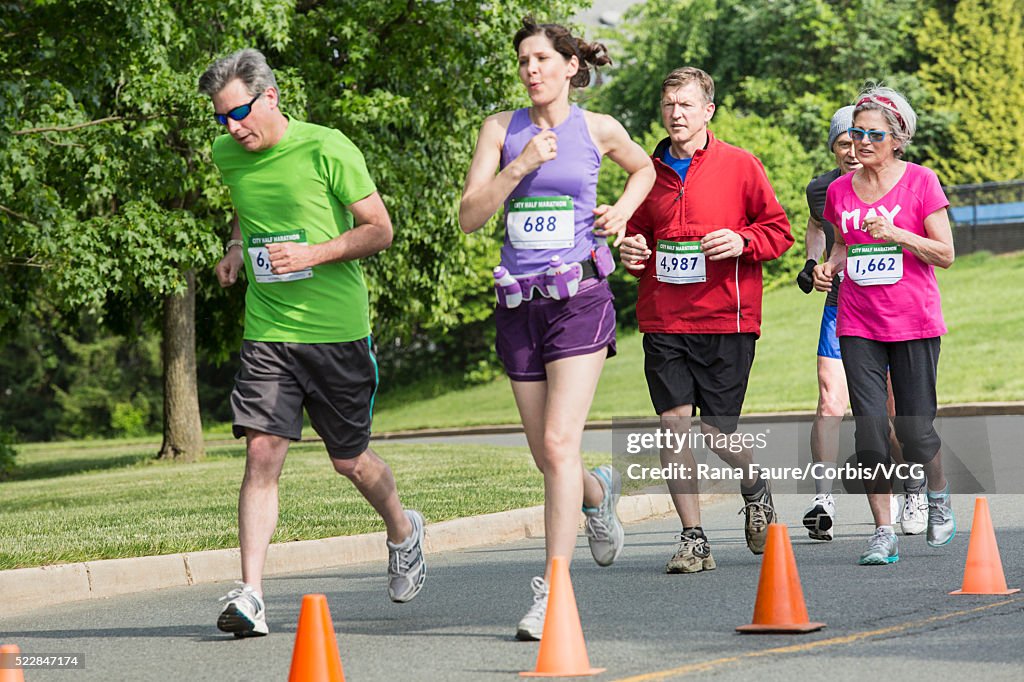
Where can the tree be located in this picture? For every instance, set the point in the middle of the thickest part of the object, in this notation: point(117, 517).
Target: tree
point(109, 200)
point(102, 175)
point(974, 69)
point(789, 61)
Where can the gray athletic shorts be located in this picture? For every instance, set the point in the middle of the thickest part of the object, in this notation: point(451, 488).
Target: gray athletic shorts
point(335, 382)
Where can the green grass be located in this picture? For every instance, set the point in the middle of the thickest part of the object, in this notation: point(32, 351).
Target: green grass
point(979, 362)
point(127, 504)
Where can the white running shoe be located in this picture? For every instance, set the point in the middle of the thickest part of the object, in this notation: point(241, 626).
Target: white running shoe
point(820, 517)
point(244, 615)
point(531, 627)
point(895, 509)
point(914, 516)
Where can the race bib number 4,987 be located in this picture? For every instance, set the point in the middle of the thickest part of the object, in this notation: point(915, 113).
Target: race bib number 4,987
point(680, 262)
point(259, 257)
point(874, 264)
point(541, 223)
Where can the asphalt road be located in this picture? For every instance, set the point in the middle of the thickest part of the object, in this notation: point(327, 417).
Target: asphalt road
point(883, 621)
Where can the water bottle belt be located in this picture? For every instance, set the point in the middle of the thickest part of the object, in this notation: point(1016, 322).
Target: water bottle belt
point(546, 285)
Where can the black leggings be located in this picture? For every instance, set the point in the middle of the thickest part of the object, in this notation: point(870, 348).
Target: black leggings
point(913, 366)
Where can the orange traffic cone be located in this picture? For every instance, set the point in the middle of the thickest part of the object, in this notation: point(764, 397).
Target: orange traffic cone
point(983, 573)
point(563, 653)
point(9, 673)
point(316, 657)
point(780, 600)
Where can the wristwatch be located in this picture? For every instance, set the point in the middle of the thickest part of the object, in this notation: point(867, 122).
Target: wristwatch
point(233, 242)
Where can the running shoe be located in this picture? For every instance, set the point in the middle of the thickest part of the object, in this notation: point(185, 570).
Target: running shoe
point(406, 568)
point(692, 555)
point(941, 522)
point(883, 548)
point(531, 627)
point(914, 515)
point(759, 511)
point(895, 510)
point(244, 615)
point(820, 517)
point(602, 525)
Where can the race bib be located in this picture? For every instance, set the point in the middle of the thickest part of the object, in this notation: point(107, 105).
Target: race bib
point(873, 264)
point(541, 223)
point(680, 262)
point(259, 256)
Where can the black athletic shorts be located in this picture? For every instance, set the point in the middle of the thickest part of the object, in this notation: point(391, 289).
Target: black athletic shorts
point(708, 371)
point(335, 382)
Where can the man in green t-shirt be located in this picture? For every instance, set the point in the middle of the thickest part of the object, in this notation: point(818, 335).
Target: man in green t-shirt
point(306, 211)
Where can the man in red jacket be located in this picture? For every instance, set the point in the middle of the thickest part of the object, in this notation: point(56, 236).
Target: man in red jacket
point(710, 221)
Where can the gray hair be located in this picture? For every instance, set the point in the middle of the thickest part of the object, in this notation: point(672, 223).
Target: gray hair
point(898, 113)
point(248, 66)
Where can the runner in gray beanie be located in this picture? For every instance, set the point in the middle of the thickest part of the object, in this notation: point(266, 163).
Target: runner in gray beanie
point(842, 120)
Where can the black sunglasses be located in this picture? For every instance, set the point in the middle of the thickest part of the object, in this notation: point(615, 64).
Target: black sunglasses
point(238, 113)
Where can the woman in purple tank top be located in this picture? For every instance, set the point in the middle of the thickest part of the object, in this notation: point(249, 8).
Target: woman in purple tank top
point(540, 165)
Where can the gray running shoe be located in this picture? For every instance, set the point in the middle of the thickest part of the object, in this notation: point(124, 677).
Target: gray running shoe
point(692, 555)
point(820, 517)
point(760, 511)
point(883, 548)
point(602, 525)
point(914, 516)
point(244, 615)
point(941, 522)
point(531, 627)
point(406, 568)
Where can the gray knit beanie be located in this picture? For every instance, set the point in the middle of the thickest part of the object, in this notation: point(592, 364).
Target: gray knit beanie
point(842, 120)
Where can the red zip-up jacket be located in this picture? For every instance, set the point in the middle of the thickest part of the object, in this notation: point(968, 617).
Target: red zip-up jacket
point(726, 187)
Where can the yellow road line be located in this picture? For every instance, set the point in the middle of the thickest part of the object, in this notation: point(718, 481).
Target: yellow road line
point(704, 666)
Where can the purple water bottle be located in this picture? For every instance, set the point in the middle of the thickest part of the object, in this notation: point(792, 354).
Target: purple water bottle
point(561, 280)
point(507, 288)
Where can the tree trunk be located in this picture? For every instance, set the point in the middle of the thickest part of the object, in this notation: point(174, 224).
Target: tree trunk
point(183, 428)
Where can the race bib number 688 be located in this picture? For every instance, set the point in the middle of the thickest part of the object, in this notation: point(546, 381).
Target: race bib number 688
point(541, 222)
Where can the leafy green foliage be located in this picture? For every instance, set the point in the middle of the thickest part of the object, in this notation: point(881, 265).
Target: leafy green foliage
point(975, 70)
point(789, 170)
point(112, 388)
point(790, 61)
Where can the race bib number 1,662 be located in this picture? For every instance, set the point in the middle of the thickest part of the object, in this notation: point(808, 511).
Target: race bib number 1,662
point(874, 264)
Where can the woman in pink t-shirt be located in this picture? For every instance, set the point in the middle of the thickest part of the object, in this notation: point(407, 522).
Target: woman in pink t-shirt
point(892, 230)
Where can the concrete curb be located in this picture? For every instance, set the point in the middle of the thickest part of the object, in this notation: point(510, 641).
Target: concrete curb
point(26, 589)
